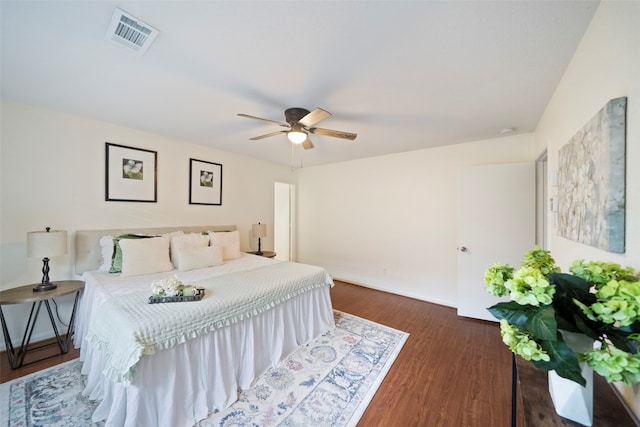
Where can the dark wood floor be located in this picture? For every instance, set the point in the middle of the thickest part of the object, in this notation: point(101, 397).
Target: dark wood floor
point(8, 374)
point(452, 371)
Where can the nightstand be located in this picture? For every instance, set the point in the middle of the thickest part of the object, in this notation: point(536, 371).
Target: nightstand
point(266, 254)
point(25, 294)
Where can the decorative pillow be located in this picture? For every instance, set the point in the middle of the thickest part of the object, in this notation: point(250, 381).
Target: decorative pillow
point(145, 256)
point(106, 249)
point(191, 240)
point(199, 257)
point(116, 259)
point(229, 241)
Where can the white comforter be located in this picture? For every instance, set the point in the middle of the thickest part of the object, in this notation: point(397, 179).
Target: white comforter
point(182, 385)
point(101, 286)
point(127, 327)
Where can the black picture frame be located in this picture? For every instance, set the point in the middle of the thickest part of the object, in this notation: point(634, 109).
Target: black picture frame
point(131, 174)
point(205, 183)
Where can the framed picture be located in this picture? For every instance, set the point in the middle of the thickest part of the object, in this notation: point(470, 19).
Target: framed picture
point(131, 174)
point(205, 183)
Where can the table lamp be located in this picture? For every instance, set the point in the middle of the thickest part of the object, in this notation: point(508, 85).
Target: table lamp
point(259, 231)
point(46, 244)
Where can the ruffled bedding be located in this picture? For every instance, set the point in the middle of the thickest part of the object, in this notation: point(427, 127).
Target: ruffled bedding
point(191, 374)
point(126, 327)
point(101, 286)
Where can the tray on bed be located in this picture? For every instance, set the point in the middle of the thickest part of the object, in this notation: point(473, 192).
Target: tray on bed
point(196, 297)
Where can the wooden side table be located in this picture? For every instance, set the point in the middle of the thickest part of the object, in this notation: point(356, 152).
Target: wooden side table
point(25, 294)
point(267, 254)
point(538, 410)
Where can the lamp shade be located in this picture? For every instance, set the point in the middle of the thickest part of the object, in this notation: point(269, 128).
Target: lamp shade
point(297, 137)
point(259, 230)
point(46, 244)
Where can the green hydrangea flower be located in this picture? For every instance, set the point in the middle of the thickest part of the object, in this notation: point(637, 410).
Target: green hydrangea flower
point(599, 273)
point(495, 277)
point(614, 364)
point(529, 286)
point(521, 343)
point(618, 303)
point(540, 259)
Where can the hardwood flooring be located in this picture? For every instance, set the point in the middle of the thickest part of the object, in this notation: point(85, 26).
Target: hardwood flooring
point(8, 374)
point(452, 371)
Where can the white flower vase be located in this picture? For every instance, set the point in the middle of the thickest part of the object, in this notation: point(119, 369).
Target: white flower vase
point(571, 400)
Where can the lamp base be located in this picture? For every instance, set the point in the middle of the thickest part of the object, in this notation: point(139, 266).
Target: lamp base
point(42, 287)
point(259, 252)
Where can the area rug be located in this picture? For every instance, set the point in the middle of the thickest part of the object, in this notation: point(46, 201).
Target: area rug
point(328, 382)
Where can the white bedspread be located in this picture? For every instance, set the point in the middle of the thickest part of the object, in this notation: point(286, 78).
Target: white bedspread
point(126, 327)
point(102, 286)
point(181, 385)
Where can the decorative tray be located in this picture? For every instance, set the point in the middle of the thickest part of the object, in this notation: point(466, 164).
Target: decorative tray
point(197, 297)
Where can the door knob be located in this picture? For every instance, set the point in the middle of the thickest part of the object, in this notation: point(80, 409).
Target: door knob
point(462, 249)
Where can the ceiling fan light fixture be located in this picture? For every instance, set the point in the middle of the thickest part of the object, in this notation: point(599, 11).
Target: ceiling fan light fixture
point(300, 122)
point(297, 136)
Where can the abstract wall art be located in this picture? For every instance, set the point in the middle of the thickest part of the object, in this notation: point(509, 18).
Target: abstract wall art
point(591, 181)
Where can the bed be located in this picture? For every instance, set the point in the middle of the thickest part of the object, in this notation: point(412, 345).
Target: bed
point(173, 364)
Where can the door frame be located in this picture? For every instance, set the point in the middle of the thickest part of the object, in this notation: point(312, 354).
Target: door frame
point(542, 201)
point(284, 221)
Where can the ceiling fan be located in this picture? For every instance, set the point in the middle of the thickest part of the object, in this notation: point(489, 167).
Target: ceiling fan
point(299, 126)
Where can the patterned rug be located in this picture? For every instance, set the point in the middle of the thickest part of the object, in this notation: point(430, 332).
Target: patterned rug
point(328, 382)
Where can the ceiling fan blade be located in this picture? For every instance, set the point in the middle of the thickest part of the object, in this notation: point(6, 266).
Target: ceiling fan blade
point(264, 120)
point(307, 144)
point(314, 117)
point(255, 138)
point(335, 133)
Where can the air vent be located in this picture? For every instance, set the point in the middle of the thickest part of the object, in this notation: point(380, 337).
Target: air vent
point(129, 31)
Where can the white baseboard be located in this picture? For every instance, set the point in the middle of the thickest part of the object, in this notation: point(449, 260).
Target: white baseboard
point(395, 292)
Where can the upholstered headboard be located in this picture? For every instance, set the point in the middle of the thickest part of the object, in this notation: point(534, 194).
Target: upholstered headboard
point(87, 242)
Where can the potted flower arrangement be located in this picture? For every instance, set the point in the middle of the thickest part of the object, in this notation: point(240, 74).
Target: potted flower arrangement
point(598, 300)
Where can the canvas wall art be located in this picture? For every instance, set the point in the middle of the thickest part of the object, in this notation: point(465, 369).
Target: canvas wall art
point(591, 181)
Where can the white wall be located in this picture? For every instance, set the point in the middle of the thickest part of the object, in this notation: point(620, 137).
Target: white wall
point(606, 65)
point(387, 222)
point(53, 175)
point(390, 222)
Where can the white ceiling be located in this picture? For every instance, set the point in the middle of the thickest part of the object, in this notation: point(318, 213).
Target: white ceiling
point(403, 75)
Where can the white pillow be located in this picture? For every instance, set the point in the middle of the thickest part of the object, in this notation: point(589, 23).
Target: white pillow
point(106, 250)
point(191, 240)
point(192, 258)
point(145, 256)
point(229, 241)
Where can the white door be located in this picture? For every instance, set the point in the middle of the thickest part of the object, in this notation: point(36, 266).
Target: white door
point(283, 222)
point(496, 223)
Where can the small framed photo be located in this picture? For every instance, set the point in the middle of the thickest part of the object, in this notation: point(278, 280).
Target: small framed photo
point(205, 183)
point(131, 174)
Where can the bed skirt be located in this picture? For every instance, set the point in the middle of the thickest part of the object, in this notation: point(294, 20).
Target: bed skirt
point(182, 385)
